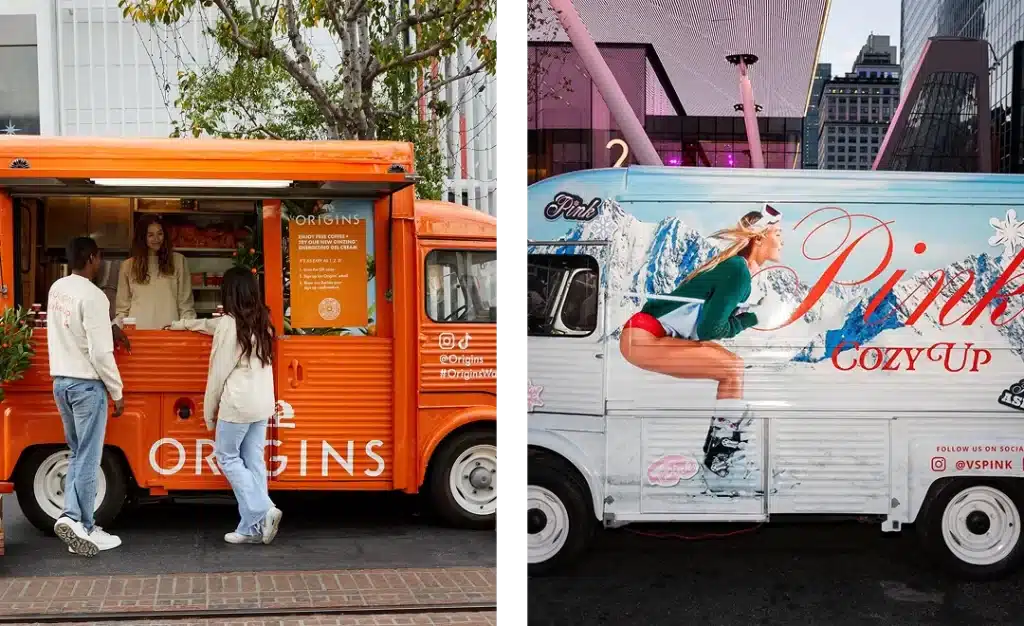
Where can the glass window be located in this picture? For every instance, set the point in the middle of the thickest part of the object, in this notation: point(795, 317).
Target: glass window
point(562, 295)
point(462, 286)
point(330, 285)
point(19, 76)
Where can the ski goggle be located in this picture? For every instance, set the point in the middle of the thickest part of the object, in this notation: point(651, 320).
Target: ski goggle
point(769, 215)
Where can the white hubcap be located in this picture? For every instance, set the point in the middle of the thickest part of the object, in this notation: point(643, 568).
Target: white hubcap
point(547, 524)
point(981, 525)
point(48, 484)
point(474, 480)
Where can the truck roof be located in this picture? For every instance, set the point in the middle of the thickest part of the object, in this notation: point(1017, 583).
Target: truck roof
point(35, 157)
point(445, 219)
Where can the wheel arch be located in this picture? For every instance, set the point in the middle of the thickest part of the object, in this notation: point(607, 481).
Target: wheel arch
point(473, 418)
point(115, 451)
point(920, 510)
point(559, 447)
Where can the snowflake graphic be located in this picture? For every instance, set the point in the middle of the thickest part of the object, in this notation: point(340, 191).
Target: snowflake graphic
point(1009, 233)
point(533, 395)
point(10, 129)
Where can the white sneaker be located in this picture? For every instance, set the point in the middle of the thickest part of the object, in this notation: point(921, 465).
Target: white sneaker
point(103, 539)
point(271, 523)
point(238, 538)
point(73, 534)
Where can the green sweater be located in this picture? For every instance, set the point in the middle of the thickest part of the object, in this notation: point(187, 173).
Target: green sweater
point(722, 289)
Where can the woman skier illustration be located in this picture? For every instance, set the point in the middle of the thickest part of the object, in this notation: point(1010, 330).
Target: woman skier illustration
point(676, 335)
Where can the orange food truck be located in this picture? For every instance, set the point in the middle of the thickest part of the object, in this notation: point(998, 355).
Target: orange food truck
point(385, 309)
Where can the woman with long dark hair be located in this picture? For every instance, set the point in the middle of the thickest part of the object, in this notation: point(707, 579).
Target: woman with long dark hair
point(154, 286)
point(240, 400)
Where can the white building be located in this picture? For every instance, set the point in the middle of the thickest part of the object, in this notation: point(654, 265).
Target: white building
point(855, 110)
point(77, 67)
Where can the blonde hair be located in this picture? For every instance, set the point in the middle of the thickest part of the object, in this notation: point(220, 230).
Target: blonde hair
point(741, 236)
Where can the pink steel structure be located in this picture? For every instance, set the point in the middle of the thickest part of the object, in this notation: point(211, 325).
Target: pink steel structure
point(742, 62)
point(943, 55)
point(605, 81)
point(619, 107)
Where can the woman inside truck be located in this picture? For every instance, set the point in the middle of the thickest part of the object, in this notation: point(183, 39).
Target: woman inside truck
point(154, 286)
point(677, 336)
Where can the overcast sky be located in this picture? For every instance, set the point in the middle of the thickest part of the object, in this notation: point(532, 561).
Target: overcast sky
point(848, 26)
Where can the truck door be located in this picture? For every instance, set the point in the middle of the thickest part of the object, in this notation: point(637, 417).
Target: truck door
point(458, 322)
point(333, 371)
point(565, 348)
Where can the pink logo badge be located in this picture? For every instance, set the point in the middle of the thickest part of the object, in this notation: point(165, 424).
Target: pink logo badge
point(669, 470)
point(533, 395)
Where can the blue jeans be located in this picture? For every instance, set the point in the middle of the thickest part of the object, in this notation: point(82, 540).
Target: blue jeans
point(239, 450)
point(83, 409)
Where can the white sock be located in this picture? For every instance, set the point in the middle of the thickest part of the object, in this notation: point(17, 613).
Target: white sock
point(731, 411)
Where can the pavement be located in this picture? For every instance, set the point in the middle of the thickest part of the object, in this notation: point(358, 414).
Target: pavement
point(376, 594)
point(794, 574)
point(320, 531)
point(340, 559)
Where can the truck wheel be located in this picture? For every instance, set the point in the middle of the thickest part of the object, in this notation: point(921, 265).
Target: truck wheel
point(973, 528)
point(39, 484)
point(559, 515)
point(463, 484)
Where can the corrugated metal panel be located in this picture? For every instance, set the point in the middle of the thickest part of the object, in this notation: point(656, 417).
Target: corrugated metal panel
point(345, 396)
point(160, 362)
point(664, 437)
point(438, 373)
point(829, 466)
point(570, 373)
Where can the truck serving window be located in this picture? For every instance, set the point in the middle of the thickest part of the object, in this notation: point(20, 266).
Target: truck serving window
point(562, 295)
point(462, 286)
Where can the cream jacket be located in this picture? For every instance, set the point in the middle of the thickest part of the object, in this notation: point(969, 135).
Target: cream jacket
point(78, 337)
point(238, 390)
point(158, 302)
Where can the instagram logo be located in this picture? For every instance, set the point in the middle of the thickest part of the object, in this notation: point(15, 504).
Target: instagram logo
point(446, 341)
point(938, 463)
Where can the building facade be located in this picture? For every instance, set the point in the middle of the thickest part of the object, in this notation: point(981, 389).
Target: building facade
point(679, 82)
point(78, 67)
point(1001, 24)
point(822, 74)
point(855, 109)
point(569, 124)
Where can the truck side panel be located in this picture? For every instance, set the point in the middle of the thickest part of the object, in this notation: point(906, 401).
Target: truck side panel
point(851, 304)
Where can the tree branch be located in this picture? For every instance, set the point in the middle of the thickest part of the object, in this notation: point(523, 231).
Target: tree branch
point(295, 37)
point(468, 72)
point(395, 36)
point(409, 59)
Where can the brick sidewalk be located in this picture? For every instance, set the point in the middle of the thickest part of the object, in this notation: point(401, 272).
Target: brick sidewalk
point(428, 619)
point(249, 590)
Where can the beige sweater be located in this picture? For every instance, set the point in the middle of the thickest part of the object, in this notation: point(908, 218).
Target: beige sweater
point(160, 301)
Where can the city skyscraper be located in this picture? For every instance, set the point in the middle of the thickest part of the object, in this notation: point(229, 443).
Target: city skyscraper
point(1001, 24)
point(854, 110)
point(822, 73)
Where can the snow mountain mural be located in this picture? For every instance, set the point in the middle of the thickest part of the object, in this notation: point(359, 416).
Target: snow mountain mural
point(640, 258)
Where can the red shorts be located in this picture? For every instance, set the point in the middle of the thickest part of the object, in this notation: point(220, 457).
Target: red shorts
point(646, 321)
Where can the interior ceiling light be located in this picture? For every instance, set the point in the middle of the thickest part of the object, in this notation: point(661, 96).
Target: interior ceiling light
point(191, 182)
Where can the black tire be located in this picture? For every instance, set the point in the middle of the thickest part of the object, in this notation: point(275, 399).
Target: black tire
point(929, 526)
point(114, 473)
point(443, 500)
point(572, 497)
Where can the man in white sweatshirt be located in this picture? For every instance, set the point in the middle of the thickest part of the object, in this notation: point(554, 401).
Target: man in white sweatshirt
point(81, 348)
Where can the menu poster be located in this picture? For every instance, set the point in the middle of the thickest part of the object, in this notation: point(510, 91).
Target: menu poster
point(328, 271)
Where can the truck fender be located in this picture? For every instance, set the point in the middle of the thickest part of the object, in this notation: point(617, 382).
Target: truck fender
point(459, 419)
point(585, 464)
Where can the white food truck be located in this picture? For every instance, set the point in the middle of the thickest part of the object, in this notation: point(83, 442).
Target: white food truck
point(725, 345)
